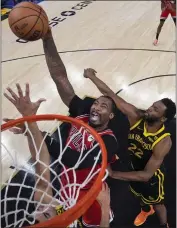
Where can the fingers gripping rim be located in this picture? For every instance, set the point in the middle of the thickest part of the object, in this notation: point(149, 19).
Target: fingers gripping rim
point(82, 205)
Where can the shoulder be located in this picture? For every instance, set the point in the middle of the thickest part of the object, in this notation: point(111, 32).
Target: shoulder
point(136, 124)
point(75, 101)
point(166, 141)
point(109, 137)
point(111, 145)
point(83, 117)
point(163, 147)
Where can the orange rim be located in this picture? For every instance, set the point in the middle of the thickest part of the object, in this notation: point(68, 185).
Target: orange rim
point(83, 204)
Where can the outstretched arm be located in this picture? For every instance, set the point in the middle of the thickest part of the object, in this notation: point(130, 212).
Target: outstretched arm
point(42, 170)
point(24, 105)
point(57, 69)
point(129, 110)
point(104, 200)
point(154, 163)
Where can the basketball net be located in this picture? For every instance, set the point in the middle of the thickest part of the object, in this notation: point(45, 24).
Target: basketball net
point(68, 194)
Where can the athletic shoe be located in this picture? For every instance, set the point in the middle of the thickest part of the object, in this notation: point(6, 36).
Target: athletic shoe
point(142, 217)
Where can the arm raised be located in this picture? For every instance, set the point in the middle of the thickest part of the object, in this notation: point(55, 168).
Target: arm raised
point(128, 109)
point(57, 69)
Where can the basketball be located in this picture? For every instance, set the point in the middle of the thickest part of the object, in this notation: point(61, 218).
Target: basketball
point(28, 21)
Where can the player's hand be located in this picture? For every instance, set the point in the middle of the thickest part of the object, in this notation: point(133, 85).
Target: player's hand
point(19, 129)
point(104, 196)
point(89, 73)
point(22, 102)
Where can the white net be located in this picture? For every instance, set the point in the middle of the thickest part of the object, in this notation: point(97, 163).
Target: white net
point(18, 204)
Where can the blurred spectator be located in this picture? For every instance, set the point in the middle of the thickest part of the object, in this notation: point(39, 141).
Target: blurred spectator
point(7, 4)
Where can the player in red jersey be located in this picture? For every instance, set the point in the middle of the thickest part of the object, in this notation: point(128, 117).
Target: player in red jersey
point(24, 105)
point(168, 8)
point(97, 115)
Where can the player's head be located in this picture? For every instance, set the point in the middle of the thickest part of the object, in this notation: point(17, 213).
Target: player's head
point(45, 214)
point(102, 111)
point(161, 111)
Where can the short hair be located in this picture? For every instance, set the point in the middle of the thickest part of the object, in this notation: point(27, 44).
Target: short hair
point(114, 106)
point(170, 112)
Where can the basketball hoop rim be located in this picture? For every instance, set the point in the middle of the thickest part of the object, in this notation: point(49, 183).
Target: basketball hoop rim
point(83, 204)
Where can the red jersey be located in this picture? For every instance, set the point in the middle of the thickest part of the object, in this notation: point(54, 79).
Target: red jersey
point(76, 144)
point(168, 9)
point(79, 109)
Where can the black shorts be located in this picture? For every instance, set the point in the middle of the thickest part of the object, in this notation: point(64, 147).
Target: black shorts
point(151, 192)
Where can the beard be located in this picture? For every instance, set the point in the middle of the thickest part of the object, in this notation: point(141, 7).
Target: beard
point(151, 120)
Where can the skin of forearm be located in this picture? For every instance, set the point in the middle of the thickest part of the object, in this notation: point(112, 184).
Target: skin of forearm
point(31, 147)
point(105, 209)
point(104, 89)
point(43, 156)
point(54, 62)
point(131, 176)
point(58, 71)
